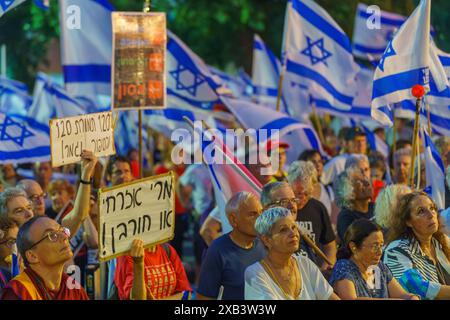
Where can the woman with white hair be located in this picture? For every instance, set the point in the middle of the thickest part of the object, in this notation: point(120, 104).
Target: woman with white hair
point(281, 275)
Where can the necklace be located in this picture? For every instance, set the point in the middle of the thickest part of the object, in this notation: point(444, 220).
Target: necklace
point(287, 279)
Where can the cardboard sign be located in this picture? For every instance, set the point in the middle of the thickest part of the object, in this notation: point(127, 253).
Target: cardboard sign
point(139, 60)
point(143, 209)
point(69, 136)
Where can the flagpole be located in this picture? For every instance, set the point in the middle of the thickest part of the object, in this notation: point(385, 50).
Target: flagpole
point(3, 62)
point(318, 124)
point(280, 88)
point(417, 91)
point(394, 135)
point(429, 119)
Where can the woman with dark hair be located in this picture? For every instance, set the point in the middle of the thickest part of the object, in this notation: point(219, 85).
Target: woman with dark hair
point(418, 252)
point(359, 273)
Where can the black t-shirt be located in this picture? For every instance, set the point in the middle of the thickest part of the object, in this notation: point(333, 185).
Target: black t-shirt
point(347, 216)
point(313, 219)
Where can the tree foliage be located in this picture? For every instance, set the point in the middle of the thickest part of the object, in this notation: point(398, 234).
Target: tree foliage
point(219, 31)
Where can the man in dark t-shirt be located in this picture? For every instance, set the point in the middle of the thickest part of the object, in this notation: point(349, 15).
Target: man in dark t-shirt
point(312, 216)
point(228, 256)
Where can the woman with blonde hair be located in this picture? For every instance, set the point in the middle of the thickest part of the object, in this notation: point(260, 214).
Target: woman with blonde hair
point(387, 201)
point(418, 253)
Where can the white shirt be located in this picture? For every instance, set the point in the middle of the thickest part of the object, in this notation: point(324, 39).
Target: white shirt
point(333, 168)
point(259, 285)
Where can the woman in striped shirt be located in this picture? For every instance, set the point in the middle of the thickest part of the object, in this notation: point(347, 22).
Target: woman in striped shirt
point(418, 253)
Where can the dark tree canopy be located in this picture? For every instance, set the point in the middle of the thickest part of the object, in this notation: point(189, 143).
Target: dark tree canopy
point(219, 31)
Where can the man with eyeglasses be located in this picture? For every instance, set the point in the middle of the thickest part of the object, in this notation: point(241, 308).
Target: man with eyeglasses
point(280, 194)
point(44, 247)
point(15, 203)
point(35, 194)
point(8, 234)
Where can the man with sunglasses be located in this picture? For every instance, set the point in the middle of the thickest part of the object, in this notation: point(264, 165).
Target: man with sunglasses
point(8, 234)
point(44, 247)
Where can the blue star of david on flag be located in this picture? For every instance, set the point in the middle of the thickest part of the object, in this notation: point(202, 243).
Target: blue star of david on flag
point(186, 80)
point(308, 51)
point(387, 53)
point(11, 130)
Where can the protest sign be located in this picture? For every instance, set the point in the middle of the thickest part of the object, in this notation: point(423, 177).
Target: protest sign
point(70, 136)
point(139, 58)
point(143, 209)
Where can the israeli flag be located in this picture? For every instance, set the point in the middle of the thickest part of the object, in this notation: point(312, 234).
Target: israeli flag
point(370, 41)
point(126, 133)
point(51, 101)
point(318, 54)
point(232, 85)
point(86, 46)
point(7, 5)
point(409, 59)
point(435, 171)
point(14, 97)
point(23, 140)
point(189, 78)
point(444, 57)
point(299, 136)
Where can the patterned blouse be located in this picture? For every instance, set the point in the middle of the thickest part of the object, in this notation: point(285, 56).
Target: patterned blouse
point(414, 270)
point(375, 287)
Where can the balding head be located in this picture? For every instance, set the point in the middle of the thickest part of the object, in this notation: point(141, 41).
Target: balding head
point(35, 195)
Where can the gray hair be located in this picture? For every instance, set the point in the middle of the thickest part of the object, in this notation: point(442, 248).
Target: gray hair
point(386, 203)
point(237, 200)
point(6, 196)
point(447, 177)
point(305, 173)
point(268, 189)
point(343, 188)
point(268, 218)
point(25, 184)
point(355, 159)
point(402, 152)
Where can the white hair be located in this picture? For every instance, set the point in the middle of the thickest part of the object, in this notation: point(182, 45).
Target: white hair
point(303, 172)
point(355, 159)
point(343, 188)
point(268, 218)
point(235, 202)
point(386, 203)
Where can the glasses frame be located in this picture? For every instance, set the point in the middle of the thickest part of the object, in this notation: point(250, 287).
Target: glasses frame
point(62, 230)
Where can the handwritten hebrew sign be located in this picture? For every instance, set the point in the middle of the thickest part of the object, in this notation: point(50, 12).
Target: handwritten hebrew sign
point(69, 136)
point(139, 55)
point(143, 209)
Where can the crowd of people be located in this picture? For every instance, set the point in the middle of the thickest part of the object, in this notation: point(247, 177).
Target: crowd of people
point(342, 227)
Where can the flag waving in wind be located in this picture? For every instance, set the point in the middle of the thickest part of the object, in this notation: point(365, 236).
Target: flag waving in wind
point(435, 171)
point(6, 5)
point(408, 60)
point(318, 54)
point(14, 98)
point(86, 46)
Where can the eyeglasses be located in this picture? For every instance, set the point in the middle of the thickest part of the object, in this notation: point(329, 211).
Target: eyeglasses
point(35, 197)
point(285, 202)
point(54, 236)
point(9, 243)
point(376, 247)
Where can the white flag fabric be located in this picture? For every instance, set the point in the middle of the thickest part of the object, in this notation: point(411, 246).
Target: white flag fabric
point(14, 97)
point(435, 172)
point(319, 55)
point(370, 42)
point(189, 78)
point(299, 136)
point(86, 46)
point(50, 100)
point(7, 5)
point(409, 59)
point(23, 140)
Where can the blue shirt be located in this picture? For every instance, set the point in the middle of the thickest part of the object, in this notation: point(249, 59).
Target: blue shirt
point(347, 269)
point(224, 265)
